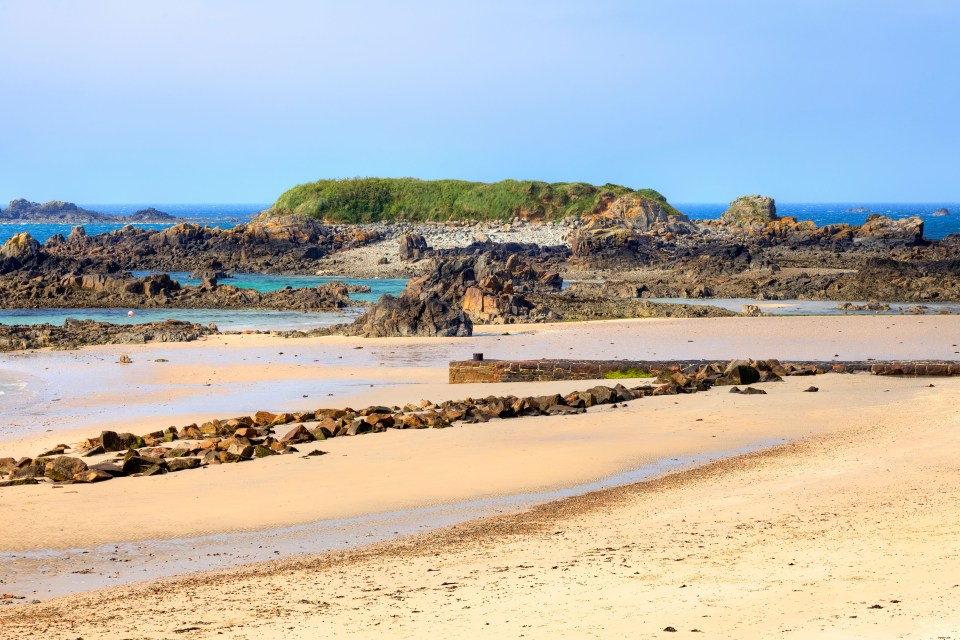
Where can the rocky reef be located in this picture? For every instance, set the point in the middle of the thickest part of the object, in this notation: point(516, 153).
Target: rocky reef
point(160, 291)
point(267, 244)
point(75, 333)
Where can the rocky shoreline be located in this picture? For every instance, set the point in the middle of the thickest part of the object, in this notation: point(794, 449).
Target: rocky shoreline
point(464, 273)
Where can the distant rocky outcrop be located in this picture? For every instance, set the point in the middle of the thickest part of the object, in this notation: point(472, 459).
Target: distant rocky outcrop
point(150, 215)
point(857, 210)
point(23, 211)
point(753, 209)
point(941, 212)
point(76, 333)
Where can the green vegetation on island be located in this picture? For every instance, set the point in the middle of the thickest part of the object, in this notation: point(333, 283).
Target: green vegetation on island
point(359, 200)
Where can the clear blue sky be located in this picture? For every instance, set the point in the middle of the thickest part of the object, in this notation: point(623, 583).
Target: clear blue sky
point(235, 100)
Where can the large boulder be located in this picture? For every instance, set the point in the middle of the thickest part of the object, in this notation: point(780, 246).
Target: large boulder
point(65, 468)
point(410, 315)
point(881, 229)
point(748, 210)
point(413, 247)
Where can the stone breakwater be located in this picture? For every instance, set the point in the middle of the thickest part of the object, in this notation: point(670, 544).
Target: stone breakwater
point(466, 371)
point(245, 438)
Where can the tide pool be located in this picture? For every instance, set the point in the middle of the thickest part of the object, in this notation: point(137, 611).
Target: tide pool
point(267, 282)
point(225, 319)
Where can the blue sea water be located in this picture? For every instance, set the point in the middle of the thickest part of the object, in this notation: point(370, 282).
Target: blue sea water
point(225, 216)
point(934, 227)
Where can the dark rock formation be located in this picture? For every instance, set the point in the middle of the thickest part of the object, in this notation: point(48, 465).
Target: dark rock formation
point(267, 244)
point(75, 333)
point(27, 289)
point(412, 315)
point(413, 247)
point(629, 228)
point(485, 284)
point(150, 215)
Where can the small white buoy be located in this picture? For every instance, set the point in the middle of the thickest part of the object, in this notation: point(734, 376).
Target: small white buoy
point(131, 313)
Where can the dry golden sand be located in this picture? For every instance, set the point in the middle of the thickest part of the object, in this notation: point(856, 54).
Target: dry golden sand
point(803, 540)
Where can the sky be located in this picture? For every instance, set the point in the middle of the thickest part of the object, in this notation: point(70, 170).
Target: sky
point(235, 101)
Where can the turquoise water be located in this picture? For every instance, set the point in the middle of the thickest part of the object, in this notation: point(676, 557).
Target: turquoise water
point(266, 283)
point(225, 319)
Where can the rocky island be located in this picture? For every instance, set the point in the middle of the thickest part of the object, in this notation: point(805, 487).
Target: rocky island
point(23, 211)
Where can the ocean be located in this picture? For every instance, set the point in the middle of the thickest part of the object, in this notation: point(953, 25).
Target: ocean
point(229, 215)
point(225, 216)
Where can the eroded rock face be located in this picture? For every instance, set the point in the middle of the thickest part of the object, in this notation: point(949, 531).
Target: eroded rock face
point(628, 229)
point(461, 288)
point(411, 315)
point(753, 209)
point(908, 231)
point(20, 252)
point(413, 247)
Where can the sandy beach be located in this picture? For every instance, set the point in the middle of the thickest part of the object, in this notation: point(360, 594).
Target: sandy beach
point(73, 539)
point(860, 439)
point(848, 532)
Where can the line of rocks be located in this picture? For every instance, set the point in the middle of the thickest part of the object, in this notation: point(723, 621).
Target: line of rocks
point(253, 437)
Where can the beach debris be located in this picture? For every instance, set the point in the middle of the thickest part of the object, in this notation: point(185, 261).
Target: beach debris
point(124, 359)
point(669, 629)
point(812, 389)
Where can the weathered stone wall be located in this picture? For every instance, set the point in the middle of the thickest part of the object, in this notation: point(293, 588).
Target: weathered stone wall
point(464, 371)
